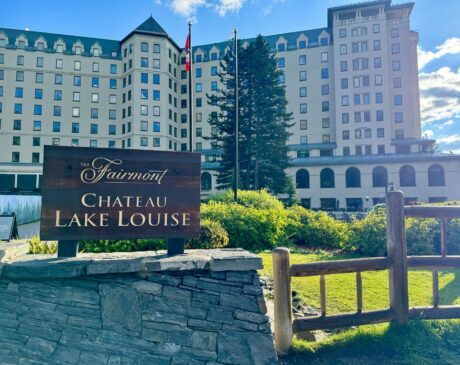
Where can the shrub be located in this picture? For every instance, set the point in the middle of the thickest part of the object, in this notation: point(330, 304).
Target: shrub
point(212, 235)
point(319, 229)
point(37, 247)
point(249, 227)
point(123, 245)
point(420, 236)
point(261, 199)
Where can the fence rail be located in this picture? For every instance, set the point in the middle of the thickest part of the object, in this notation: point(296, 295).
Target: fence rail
point(396, 262)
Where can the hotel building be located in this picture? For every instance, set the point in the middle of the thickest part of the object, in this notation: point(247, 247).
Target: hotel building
point(352, 87)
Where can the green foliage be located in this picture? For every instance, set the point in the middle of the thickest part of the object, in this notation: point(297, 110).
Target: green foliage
point(123, 245)
point(212, 235)
point(369, 234)
point(249, 227)
point(261, 199)
point(420, 236)
point(37, 247)
point(263, 120)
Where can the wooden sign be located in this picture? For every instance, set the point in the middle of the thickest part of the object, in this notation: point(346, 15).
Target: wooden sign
point(99, 193)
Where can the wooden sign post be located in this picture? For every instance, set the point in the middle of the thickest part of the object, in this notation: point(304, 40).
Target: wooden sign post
point(103, 194)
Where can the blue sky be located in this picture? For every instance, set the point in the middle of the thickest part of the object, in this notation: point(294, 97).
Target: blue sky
point(437, 22)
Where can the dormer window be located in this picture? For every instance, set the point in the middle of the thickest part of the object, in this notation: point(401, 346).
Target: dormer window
point(40, 46)
point(214, 56)
point(302, 44)
point(21, 44)
point(96, 52)
point(324, 41)
point(77, 50)
point(281, 47)
point(2, 42)
point(114, 54)
point(198, 58)
point(59, 48)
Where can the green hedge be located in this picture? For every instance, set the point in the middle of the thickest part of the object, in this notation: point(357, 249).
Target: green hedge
point(212, 235)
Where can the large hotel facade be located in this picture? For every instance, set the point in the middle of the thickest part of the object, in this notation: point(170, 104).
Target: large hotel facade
point(352, 88)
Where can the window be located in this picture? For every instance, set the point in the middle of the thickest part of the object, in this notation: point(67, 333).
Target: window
point(93, 129)
point(398, 100)
point(343, 49)
point(366, 99)
point(75, 112)
point(113, 83)
point(395, 49)
point(345, 135)
point(377, 62)
point(436, 175)
point(324, 41)
point(17, 108)
point(302, 44)
point(407, 176)
point(357, 117)
point(396, 65)
point(379, 98)
point(38, 93)
point(58, 79)
point(377, 45)
point(37, 127)
point(355, 64)
point(394, 33)
point(399, 117)
point(380, 133)
point(144, 47)
point(343, 66)
point(378, 80)
point(144, 62)
point(156, 95)
point(95, 82)
point(40, 61)
point(376, 28)
point(94, 113)
point(324, 89)
point(19, 92)
point(36, 141)
point(144, 94)
point(325, 122)
point(368, 133)
point(198, 72)
point(302, 92)
point(324, 73)
point(156, 48)
point(281, 62)
point(198, 87)
point(399, 134)
point(342, 32)
point(214, 71)
point(379, 115)
point(56, 127)
point(303, 124)
point(353, 178)
point(344, 100)
point(57, 111)
point(112, 114)
point(396, 82)
point(327, 178)
point(381, 149)
point(16, 141)
point(75, 127)
point(19, 76)
point(345, 118)
point(77, 65)
point(156, 79)
point(156, 111)
point(20, 61)
point(325, 106)
point(15, 156)
point(37, 110)
point(113, 69)
point(302, 179)
point(77, 81)
point(156, 126)
point(324, 57)
point(302, 75)
point(198, 58)
point(199, 132)
point(206, 181)
point(302, 59)
point(357, 99)
point(303, 108)
point(213, 56)
point(344, 83)
point(213, 85)
point(281, 47)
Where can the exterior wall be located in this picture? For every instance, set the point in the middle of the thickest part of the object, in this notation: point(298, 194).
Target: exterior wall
point(123, 310)
point(422, 192)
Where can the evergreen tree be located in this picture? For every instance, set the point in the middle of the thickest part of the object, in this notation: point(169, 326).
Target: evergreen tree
point(263, 121)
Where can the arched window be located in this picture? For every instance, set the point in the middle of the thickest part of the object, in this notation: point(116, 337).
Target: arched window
point(352, 178)
point(206, 181)
point(379, 177)
point(327, 178)
point(302, 179)
point(407, 176)
point(436, 175)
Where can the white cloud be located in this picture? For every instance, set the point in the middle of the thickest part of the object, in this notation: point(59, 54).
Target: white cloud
point(450, 46)
point(189, 8)
point(448, 139)
point(440, 95)
point(267, 10)
point(428, 133)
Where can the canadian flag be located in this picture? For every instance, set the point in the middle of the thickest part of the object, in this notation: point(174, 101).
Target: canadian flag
point(187, 54)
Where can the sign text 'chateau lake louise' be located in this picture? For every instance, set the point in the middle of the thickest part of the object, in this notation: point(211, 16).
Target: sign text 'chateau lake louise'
point(98, 193)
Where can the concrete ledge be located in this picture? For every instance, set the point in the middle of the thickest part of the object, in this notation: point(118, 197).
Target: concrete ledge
point(16, 264)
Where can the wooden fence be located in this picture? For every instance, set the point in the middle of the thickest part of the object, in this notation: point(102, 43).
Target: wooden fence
point(397, 263)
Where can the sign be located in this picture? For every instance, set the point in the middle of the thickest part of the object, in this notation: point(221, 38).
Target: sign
point(99, 193)
point(8, 227)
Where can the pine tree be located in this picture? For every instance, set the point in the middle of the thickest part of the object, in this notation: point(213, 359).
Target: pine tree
point(263, 120)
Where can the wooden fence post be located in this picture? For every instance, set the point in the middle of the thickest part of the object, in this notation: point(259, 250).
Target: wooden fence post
point(397, 252)
point(282, 294)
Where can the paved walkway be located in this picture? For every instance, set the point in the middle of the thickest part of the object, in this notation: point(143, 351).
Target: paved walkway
point(29, 230)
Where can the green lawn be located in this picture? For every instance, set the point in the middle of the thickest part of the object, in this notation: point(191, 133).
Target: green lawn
point(419, 342)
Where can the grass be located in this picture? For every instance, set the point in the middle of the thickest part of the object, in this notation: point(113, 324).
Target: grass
point(419, 342)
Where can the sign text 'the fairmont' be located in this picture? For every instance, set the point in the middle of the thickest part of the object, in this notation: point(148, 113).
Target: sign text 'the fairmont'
point(95, 193)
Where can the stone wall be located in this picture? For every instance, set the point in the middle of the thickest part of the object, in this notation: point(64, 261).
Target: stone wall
point(204, 307)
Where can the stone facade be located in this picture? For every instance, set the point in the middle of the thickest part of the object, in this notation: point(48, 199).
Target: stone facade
point(204, 307)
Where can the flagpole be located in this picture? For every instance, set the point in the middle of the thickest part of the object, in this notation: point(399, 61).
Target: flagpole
point(190, 89)
point(236, 173)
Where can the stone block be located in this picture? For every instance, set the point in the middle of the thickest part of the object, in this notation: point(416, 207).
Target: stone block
point(218, 314)
point(179, 295)
point(163, 279)
point(121, 310)
point(206, 325)
point(191, 281)
point(239, 301)
point(253, 290)
point(251, 316)
point(204, 340)
point(41, 346)
point(165, 318)
point(148, 287)
point(154, 335)
point(67, 355)
point(206, 297)
point(197, 354)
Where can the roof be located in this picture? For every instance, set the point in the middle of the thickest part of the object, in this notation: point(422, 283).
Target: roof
point(108, 46)
point(374, 159)
point(312, 146)
point(291, 39)
point(387, 3)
